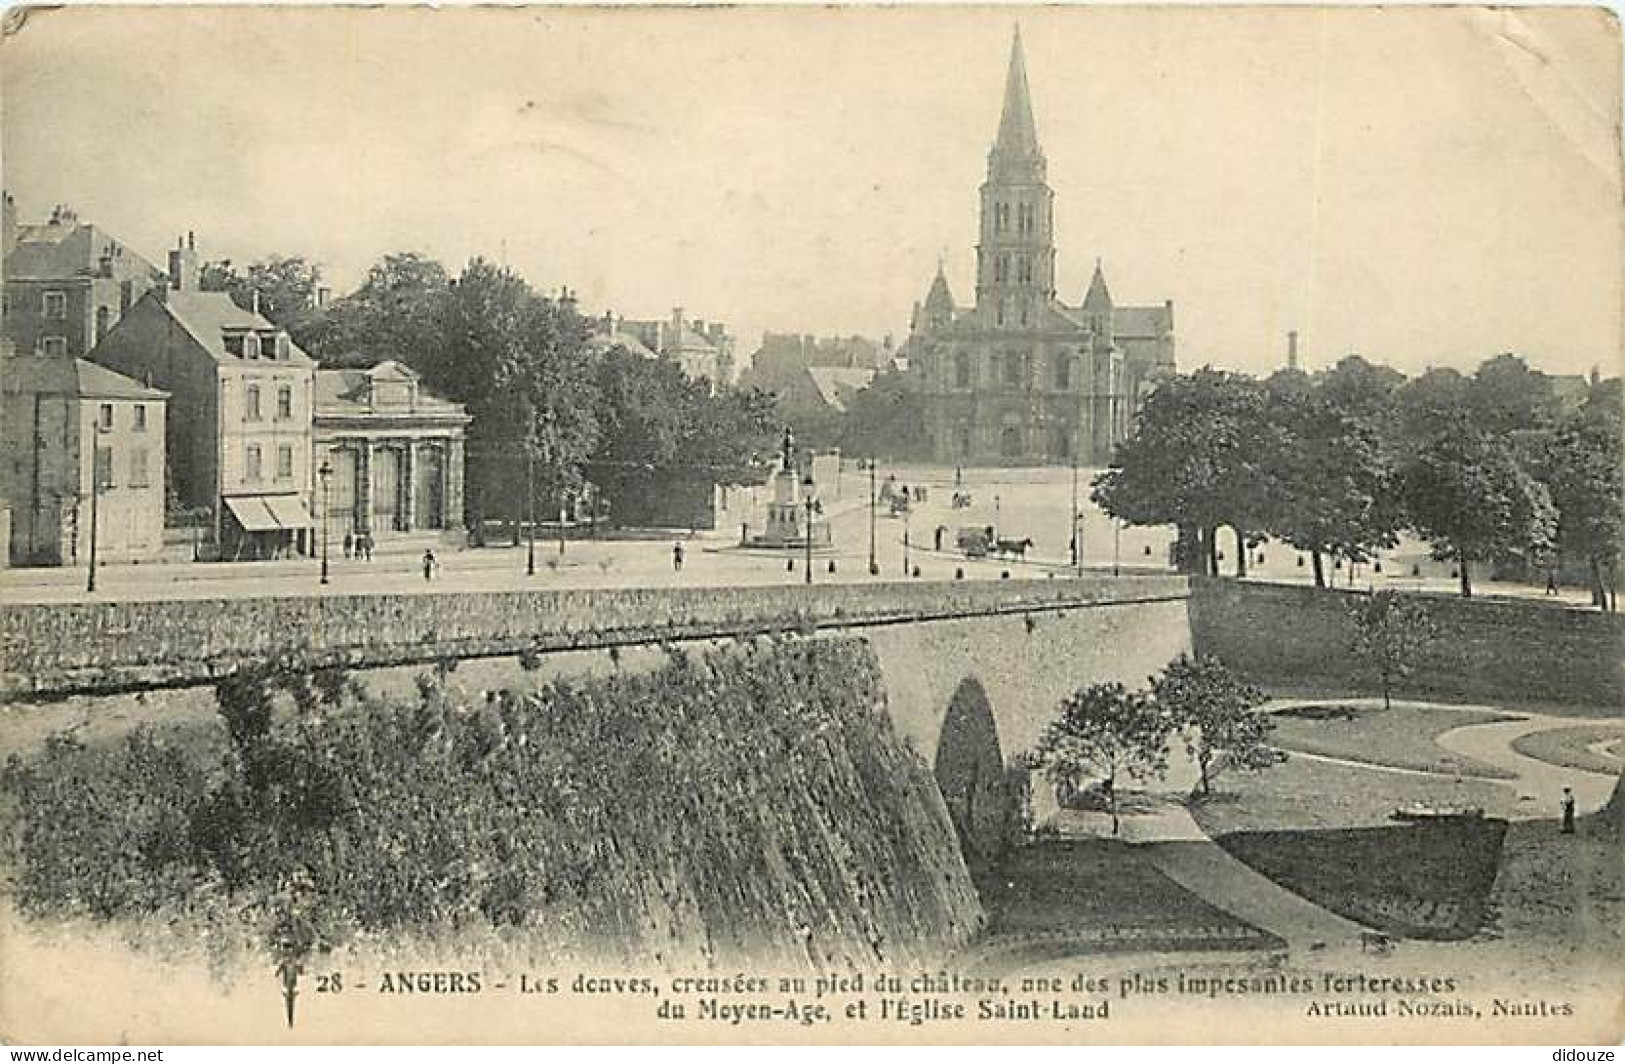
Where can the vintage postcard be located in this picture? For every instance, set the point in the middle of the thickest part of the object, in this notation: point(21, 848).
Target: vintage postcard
point(855, 524)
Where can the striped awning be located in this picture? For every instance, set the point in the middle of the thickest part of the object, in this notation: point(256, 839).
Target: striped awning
point(252, 513)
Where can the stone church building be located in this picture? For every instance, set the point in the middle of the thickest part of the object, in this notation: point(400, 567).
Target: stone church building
point(1020, 377)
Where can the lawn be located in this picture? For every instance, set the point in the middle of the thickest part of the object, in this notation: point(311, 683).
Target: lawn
point(1402, 737)
point(1423, 880)
point(1302, 794)
point(1567, 746)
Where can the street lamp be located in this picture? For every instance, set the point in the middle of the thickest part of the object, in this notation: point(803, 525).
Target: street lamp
point(874, 566)
point(1117, 547)
point(530, 512)
point(807, 501)
point(325, 472)
point(908, 517)
point(1077, 548)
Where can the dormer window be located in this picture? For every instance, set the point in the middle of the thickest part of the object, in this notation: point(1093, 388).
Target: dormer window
point(251, 346)
point(234, 344)
point(283, 347)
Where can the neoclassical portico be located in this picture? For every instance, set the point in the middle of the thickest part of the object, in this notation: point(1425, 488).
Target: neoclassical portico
point(395, 452)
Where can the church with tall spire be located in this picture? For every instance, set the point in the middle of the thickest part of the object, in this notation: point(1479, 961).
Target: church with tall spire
point(1019, 376)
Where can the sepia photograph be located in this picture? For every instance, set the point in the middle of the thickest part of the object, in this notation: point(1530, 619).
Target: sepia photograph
point(851, 524)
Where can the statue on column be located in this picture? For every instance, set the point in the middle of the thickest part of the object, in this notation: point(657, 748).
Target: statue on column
point(789, 450)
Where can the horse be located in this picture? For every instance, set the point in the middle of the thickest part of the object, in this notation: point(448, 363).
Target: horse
point(1017, 547)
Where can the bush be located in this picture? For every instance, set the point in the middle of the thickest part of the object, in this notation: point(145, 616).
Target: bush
point(712, 808)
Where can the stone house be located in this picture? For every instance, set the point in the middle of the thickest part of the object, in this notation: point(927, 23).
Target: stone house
point(67, 283)
point(62, 419)
point(239, 434)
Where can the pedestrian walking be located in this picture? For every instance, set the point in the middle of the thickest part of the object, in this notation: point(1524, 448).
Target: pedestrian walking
point(1551, 582)
point(349, 544)
point(677, 557)
point(366, 545)
point(1568, 811)
point(430, 564)
point(936, 537)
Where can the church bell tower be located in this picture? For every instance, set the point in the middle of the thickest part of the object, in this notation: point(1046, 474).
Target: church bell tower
point(1015, 257)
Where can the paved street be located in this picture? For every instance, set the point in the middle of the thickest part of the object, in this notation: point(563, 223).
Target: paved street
point(1020, 503)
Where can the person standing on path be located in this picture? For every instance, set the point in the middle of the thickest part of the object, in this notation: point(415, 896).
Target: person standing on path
point(1568, 811)
point(349, 544)
point(430, 564)
point(677, 557)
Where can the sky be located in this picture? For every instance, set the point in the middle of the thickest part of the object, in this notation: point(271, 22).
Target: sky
point(1421, 186)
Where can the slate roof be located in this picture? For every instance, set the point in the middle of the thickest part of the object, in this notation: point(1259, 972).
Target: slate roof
point(207, 316)
point(43, 375)
point(343, 393)
point(55, 252)
point(835, 383)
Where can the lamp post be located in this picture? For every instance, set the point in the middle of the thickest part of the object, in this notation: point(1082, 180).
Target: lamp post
point(807, 533)
point(324, 472)
point(530, 512)
point(1077, 548)
point(1117, 547)
point(95, 495)
point(874, 566)
point(908, 518)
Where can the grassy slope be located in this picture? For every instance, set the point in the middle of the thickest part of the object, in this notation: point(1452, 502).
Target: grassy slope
point(1567, 747)
point(1404, 736)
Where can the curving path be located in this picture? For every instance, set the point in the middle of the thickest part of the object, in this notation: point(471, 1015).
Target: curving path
point(1539, 783)
point(1179, 848)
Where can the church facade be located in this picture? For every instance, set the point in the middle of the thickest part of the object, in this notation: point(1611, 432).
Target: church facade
point(1019, 377)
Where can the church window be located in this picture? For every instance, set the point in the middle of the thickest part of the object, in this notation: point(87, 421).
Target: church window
point(1001, 268)
point(961, 370)
point(1001, 217)
point(1025, 269)
point(1024, 314)
point(1024, 218)
point(1063, 372)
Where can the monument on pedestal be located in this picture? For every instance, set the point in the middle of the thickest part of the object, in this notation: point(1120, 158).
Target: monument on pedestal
point(790, 520)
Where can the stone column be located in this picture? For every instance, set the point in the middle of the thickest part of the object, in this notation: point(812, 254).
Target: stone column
point(363, 486)
point(452, 472)
point(409, 491)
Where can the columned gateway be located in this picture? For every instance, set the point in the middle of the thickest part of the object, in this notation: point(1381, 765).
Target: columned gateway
point(395, 452)
point(1020, 377)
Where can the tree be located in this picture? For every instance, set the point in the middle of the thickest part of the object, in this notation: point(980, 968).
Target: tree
point(1108, 731)
point(284, 284)
point(1359, 388)
point(1218, 713)
point(1505, 395)
point(1337, 486)
point(657, 422)
point(1581, 469)
point(1392, 634)
point(519, 363)
point(395, 314)
point(886, 420)
point(1427, 404)
point(1469, 496)
point(1198, 458)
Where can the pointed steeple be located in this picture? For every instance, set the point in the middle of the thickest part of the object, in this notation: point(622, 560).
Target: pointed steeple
point(1099, 297)
point(940, 297)
point(1017, 141)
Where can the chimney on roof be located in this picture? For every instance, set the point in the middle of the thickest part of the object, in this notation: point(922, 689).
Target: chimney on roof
point(1292, 349)
point(323, 294)
point(183, 265)
point(256, 297)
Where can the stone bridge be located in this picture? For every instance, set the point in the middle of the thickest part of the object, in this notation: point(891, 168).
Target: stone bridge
point(972, 670)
